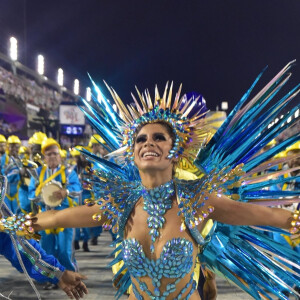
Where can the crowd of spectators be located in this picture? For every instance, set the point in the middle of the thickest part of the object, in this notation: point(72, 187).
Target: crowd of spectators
point(29, 90)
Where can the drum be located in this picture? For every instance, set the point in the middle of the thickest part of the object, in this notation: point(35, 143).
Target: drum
point(47, 193)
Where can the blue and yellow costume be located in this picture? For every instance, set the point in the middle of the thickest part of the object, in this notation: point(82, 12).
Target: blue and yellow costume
point(4, 162)
point(57, 242)
point(25, 204)
point(227, 159)
point(12, 172)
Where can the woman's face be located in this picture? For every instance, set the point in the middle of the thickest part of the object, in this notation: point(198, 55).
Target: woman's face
point(151, 149)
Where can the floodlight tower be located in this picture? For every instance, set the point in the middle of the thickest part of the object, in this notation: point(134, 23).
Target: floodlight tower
point(13, 49)
point(13, 53)
point(76, 87)
point(40, 64)
point(60, 77)
point(88, 94)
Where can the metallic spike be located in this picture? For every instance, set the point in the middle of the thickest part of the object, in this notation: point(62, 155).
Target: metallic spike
point(163, 103)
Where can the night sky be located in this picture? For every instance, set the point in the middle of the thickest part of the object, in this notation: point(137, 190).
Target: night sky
point(213, 47)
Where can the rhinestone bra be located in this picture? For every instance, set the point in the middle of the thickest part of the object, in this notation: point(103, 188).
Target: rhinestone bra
point(175, 261)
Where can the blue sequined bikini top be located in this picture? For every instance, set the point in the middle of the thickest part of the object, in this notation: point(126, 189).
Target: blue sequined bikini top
point(175, 261)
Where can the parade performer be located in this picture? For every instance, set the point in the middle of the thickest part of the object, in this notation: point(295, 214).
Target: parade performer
point(12, 171)
point(27, 256)
point(31, 164)
point(53, 175)
point(35, 143)
point(140, 194)
point(24, 152)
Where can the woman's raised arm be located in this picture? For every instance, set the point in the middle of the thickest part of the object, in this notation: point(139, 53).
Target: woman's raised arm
point(239, 213)
point(80, 216)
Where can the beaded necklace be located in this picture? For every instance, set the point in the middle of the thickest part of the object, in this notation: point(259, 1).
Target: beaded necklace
point(156, 203)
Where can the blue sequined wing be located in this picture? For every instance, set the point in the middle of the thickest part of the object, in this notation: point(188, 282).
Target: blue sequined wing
point(111, 182)
point(236, 151)
point(237, 165)
point(253, 261)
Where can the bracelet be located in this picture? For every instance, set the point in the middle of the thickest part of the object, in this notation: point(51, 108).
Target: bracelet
point(19, 224)
point(295, 224)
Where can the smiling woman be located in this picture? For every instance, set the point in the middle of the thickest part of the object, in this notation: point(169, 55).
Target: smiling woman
point(139, 193)
point(151, 150)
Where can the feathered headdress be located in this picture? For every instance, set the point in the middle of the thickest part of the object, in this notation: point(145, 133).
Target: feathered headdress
point(189, 126)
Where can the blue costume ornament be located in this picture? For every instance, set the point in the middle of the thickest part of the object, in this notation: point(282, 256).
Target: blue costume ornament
point(156, 202)
point(176, 254)
point(228, 160)
point(200, 103)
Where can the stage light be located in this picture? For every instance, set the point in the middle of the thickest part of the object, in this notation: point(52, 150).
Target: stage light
point(88, 94)
point(40, 66)
point(13, 50)
point(115, 107)
point(224, 105)
point(296, 113)
point(60, 77)
point(76, 87)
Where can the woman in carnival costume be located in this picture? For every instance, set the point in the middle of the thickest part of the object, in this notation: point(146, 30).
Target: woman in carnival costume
point(159, 218)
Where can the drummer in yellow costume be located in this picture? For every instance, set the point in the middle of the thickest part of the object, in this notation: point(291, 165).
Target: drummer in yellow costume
point(35, 143)
point(35, 159)
point(24, 152)
point(11, 170)
point(24, 156)
point(56, 185)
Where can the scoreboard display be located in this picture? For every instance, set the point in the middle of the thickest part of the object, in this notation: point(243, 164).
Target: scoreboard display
point(71, 119)
point(72, 129)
